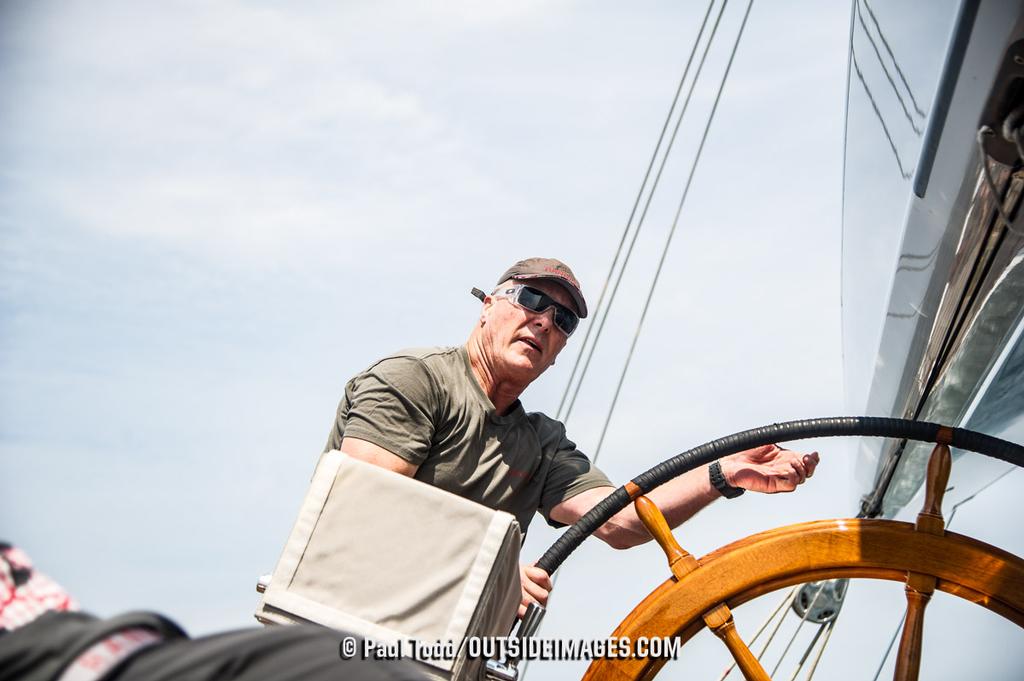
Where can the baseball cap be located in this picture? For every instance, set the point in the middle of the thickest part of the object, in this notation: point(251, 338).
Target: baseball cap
point(553, 270)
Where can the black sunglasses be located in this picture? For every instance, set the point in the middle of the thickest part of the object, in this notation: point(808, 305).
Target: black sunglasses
point(533, 300)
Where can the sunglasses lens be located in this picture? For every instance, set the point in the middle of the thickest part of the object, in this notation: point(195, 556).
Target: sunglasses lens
point(532, 299)
point(566, 320)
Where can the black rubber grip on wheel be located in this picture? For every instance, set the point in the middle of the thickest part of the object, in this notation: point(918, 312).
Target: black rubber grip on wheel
point(865, 426)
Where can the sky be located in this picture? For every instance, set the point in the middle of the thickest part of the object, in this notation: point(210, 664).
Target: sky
point(213, 215)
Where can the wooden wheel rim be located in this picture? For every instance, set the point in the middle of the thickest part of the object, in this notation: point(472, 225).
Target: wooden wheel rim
point(823, 549)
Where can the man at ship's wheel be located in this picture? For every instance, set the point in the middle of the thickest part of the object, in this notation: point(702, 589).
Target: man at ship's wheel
point(451, 417)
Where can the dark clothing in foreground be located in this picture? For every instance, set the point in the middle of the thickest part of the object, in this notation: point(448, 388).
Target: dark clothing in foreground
point(43, 650)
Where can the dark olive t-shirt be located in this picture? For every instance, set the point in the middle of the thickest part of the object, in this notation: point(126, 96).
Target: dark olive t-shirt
point(426, 407)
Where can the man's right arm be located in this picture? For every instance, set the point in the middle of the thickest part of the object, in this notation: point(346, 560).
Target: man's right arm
point(377, 455)
point(768, 469)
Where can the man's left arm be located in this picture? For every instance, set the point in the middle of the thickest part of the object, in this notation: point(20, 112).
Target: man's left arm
point(768, 469)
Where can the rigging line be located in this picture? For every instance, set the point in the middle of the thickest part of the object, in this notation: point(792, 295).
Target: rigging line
point(888, 76)
point(632, 213)
point(878, 113)
point(821, 651)
point(846, 119)
point(788, 598)
point(808, 650)
point(643, 214)
point(892, 641)
point(899, 71)
point(844, 344)
point(672, 231)
point(771, 636)
point(803, 619)
point(782, 604)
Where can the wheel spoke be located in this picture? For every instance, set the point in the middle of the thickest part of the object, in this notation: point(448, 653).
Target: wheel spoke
point(920, 587)
point(680, 562)
point(908, 660)
point(786, 600)
point(719, 620)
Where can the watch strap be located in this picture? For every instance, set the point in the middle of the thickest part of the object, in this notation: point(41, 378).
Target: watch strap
point(719, 483)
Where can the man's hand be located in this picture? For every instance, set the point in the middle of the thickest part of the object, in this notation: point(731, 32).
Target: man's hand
point(768, 469)
point(536, 585)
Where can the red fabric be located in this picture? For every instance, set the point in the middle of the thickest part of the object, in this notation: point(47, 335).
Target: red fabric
point(25, 594)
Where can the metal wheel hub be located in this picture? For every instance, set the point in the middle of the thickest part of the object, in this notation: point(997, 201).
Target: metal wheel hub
point(820, 601)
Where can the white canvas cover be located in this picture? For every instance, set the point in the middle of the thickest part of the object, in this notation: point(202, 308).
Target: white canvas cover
point(391, 558)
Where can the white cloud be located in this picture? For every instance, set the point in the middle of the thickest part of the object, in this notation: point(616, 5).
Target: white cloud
point(279, 138)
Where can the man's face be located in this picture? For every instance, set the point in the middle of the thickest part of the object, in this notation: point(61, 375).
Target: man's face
point(522, 343)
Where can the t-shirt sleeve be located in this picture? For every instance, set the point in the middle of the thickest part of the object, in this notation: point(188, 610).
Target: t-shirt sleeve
point(571, 473)
point(392, 405)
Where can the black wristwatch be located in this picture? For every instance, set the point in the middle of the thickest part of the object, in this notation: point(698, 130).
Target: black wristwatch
point(719, 483)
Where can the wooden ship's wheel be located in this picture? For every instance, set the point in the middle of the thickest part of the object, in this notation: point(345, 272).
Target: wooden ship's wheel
point(701, 593)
